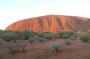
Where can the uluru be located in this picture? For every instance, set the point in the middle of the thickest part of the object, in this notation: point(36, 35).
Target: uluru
point(52, 23)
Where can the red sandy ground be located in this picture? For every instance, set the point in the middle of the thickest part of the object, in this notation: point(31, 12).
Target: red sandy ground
point(78, 50)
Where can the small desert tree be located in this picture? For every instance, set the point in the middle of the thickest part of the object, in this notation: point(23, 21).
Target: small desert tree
point(26, 34)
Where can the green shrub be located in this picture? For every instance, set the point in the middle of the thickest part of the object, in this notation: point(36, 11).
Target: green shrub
point(26, 34)
point(12, 47)
point(85, 37)
point(1, 33)
point(40, 34)
point(57, 46)
point(38, 38)
point(73, 38)
point(9, 37)
point(68, 42)
point(31, 40)
point(76, 35)
point(48, 36)
point(61, 34)
point(66, 35)
point(19, 33)
point(17, 47)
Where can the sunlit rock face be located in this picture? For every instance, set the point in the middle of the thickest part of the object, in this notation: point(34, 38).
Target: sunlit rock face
point(52, 23)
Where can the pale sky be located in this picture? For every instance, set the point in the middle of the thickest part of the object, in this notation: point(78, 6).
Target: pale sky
point(14, 10)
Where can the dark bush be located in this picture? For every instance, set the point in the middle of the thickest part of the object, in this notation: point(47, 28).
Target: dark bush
point(26, 34)
point(38, 38)
point(85, 37)
point(32, 40)
point(48, 36)
point(9, 37)
point(1, 33)
point(66, 35)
